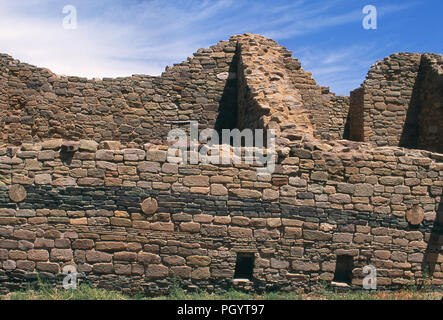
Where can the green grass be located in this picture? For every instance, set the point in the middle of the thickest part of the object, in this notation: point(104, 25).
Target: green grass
point(44, 291)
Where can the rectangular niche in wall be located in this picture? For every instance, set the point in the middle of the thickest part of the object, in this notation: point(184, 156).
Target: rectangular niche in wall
point(244, 266)
point(343, 269)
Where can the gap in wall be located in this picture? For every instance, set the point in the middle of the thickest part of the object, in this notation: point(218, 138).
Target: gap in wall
point(244, 266)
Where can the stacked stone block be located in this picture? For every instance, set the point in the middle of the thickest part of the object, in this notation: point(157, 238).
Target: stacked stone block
point(318, 205)
point(92, 187)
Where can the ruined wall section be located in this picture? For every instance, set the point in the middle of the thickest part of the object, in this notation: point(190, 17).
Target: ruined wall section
point(325, 200)
point(37, 104)
point(337, 127)
point(388, 94)
point(356, 115)
point(430, 119)
point(328, 113)
point(267, 96)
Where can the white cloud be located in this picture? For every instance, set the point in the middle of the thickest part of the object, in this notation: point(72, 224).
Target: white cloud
point(121, 38)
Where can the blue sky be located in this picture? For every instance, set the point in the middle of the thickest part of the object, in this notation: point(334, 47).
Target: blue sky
point(125, 37)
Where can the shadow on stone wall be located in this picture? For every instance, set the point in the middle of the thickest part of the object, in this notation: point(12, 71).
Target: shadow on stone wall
point(435, 242)
point(228, 105)
point(411, 129)
point(347, 128)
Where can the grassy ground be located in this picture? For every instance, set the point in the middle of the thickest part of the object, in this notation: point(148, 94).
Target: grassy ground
point(85, 292)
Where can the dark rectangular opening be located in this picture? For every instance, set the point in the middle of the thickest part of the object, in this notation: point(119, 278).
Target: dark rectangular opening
point(343, 269)
point(244, 266)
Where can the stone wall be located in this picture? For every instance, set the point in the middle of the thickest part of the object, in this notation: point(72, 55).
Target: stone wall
point(337, 125)
point(327, 112)
point(126, 217)
point(325, 200)
point(387, 96)
point(37, 104)
point(267, 97)
point(356, 115)
point(430, 119)
point(399, 104)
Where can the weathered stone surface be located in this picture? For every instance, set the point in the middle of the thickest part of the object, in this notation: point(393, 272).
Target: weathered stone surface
point(83, 244)
point(17, 193)
point(196, 181)
point(325, 197)
point(38, 255)
point(88, 145)
point(200, 261)
point(149, 206)
point(96, 256)
point(200, 274)
point(245, 193)
point(156, 271)
point(61, 255)
point(53, 144)
point(415, 215)
point(148, 258)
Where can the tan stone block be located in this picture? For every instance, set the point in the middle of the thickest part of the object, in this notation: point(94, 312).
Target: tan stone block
point(305, 266)
point(103, 268)
point(83, 244)
point(274, 222)
point(201, 274)
point(240, 221)
point(38, 255)
point(110, 246)
point(201, 261)
point(125, 256)
point(25, 235)
point(190, 227)
point(238, 232)
point(121, 222)
point(162, 226)
point(245, 193)
point(182, 272)
point(218, 190)
point(203, 218)
point(61, 255)
point(17, 255)
point(25, 265)
point(43, 243)
point(196, 181)
point(148, 258)
point(214, 230)
point(293, 233)
point(155, 271)
point(141, 225)
point(222, 220)
point(96, 256)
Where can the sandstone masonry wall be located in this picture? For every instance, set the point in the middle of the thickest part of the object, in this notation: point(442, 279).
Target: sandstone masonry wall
point(400, 103)
point(430, 124)
point(126, 217)
point(267, 97)
point(323, 201)
point(327, 112)
point(388, 94)
point(37, 104)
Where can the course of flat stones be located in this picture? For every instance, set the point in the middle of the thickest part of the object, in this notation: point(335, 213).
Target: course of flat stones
point(85, 179)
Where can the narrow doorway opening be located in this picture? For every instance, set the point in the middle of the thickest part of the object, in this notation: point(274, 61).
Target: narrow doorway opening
point(244, 266)
point(343, 269)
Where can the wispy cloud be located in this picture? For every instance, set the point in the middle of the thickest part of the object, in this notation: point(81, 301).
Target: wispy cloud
point(120, 38)
point(342, 69)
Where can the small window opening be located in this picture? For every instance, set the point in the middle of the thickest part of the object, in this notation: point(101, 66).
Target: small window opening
point(244, 267)
point(343, 269)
